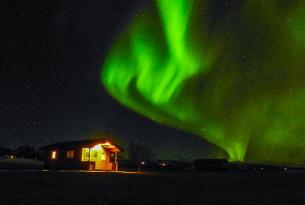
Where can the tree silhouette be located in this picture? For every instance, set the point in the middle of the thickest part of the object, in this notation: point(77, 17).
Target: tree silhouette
point(5, 151)
point(139, 153)
point(26, 151)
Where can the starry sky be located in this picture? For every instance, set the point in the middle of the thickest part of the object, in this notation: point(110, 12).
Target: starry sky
point(231, 72)
point(189, 78)
point(52, 53)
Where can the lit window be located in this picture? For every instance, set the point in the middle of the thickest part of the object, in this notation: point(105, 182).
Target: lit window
point(53, 154)
point(85, 154)
point(95, 154)
point(70, 154)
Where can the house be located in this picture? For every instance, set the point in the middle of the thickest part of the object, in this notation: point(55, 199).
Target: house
point(95, 154)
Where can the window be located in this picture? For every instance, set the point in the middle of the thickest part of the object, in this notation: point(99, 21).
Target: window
point(94, 155)
point(53, 155)
point(85, 154)
point(70, 154)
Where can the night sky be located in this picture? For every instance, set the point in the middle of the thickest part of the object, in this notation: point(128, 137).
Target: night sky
point(177, 76)
point(52, 53)
point(231, 72)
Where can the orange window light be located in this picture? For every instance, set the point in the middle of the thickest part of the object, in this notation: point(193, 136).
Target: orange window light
point(70, 154)
point(53, 155)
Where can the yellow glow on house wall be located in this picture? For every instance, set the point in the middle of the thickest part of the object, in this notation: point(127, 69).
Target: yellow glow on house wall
point(96, 153)
point(53, 155)
point(70, 154)
point(85, 154)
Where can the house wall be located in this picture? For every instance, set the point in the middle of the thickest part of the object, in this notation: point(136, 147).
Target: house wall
point(75, 163)
point(104, 164)
point(62, 162)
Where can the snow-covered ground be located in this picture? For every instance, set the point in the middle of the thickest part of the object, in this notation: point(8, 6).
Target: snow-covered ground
point(20, 163)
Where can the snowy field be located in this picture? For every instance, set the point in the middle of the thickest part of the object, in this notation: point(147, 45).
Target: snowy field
point(17, 163)
point(44, 187)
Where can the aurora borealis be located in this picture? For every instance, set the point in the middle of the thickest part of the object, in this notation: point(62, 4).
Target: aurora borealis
point(235, 80)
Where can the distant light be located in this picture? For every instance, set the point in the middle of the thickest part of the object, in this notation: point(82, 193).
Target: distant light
point(285, 168)
point(12, 156)
point(143, 163)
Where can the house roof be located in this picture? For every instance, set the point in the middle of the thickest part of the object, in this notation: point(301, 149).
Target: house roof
point(79, 143)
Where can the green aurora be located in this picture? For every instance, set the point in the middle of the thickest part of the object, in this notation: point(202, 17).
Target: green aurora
point(235, 78)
